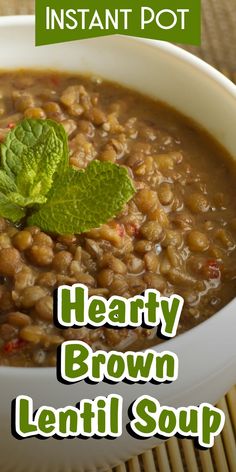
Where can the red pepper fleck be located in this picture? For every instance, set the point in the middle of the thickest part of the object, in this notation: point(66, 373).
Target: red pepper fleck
point(14, 345)
point(132, 229)
point(55, 80)
point(213, 268)
point(11, 125)
point(120, 229)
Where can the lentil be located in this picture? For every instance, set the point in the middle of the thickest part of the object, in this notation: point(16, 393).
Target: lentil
point(152, 231)
point(44, 308)
point(22, 240)
point(165, 193)
point(61, 261)
point(10, 262)
point(41, 255)
point(198, 241)
point(30, 295)
point(17, 318)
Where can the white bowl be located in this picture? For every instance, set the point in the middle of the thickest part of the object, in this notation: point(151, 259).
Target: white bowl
point(207, 354)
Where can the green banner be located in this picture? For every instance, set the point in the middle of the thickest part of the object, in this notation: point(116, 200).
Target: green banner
point(177, 21)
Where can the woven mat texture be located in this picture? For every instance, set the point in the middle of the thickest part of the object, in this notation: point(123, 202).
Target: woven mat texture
point(219, 49)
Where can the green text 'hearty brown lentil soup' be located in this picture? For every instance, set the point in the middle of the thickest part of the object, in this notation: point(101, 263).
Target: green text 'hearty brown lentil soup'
point(177, 234)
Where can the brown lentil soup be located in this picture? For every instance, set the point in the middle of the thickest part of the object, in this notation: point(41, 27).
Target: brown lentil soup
point(177, 234)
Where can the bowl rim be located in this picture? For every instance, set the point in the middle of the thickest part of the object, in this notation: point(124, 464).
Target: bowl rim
point(169, 48)
point(207, 70)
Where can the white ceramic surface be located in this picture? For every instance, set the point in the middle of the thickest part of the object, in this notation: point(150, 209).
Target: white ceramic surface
point(207, 354)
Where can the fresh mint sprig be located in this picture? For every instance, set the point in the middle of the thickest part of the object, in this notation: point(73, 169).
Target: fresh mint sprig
point(89, 198)
point(31, 154)
point(10, 210)
point(35, 174)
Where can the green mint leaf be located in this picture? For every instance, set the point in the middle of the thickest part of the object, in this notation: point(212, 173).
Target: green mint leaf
point(7, 184)
point(82, 200)
point(9, 210)
point(31, 155)
point(9, 189)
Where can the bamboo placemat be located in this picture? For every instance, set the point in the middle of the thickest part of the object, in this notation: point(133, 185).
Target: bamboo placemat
point(181, 456)
point(219, 49)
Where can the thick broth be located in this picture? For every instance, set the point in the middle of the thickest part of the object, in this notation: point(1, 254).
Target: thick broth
point(177, 234)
